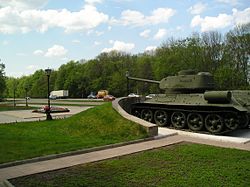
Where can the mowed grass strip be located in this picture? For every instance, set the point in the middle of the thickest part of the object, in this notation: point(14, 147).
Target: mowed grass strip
point(177, 165)
point(95, 127)
point(9, 107)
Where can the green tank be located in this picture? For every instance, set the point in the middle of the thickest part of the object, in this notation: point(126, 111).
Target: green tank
point(190, 102)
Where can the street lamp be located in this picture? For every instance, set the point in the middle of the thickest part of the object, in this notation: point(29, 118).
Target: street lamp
point(127, 75)
point(47, 109)
point(14, 93)
point(26, 96)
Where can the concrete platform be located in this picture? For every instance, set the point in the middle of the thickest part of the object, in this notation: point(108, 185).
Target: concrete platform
point(242, 136)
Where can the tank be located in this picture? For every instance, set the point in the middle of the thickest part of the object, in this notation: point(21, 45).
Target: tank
point(190, 102)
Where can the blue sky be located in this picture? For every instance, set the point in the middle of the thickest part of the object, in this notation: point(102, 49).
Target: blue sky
point(36, 34)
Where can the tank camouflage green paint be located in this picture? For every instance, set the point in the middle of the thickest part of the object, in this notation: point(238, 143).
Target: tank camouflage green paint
point(190, 102)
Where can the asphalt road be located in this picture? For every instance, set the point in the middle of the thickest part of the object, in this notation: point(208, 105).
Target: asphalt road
point(63, 101)
point(27, 115)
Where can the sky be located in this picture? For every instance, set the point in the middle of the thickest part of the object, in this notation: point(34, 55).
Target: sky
point(37, 34)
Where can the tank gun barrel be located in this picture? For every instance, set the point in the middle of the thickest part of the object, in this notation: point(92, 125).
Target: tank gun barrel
point(143, 80)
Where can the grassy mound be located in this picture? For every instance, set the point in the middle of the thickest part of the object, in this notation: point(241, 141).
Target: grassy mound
point(95, 127)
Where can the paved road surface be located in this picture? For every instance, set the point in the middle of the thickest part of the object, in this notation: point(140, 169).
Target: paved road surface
point(27, 115)
point(62, 101)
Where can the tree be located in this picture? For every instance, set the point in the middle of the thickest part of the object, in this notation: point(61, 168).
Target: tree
point(238, 50)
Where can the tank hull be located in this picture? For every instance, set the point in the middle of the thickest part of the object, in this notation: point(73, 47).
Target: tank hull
point(215, 112)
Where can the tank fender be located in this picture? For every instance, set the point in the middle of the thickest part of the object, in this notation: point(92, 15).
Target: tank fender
point(218, 96)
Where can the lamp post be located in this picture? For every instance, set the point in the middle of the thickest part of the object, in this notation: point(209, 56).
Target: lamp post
point(47, 109)
point(14, 94)
point(127, 75)
point(26, 96)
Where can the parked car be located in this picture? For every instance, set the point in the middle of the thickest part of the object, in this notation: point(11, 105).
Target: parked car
point(133, 95)
point(108, 98)
point(102, 93)
point(52, 97)
point(91, 96)
point(150, 96)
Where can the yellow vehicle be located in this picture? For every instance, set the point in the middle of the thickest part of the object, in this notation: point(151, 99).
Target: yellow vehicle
point(102, 93)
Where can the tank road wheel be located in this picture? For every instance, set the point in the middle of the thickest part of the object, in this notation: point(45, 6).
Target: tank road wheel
point(178, 120)
point(136, 112)
point(244, 120)
point(214, 123)
point(160, 118)
point(231, 121)
point(195, 121)
point(147, 115)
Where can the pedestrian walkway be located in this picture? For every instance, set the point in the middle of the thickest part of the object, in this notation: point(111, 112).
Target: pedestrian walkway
point(68, 161)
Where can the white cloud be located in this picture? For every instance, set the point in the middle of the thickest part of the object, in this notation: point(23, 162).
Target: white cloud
point(179, 28)
point(160, 34)
point(16, 74)
point(222, 20)
point(231, 2)
point(99, 33)
point(21, 54)
point(145, 33)
point(38, 52)
point(120, 46)
point(150, 48)
point(96, 43)
point(136, 18)
point(56, 51)
point(212, 23)
point(64, 59)
point(31, 67)
point(93, 1)
point(23, 4)
point(76, 41)
point(5, 42)
point(241, 17)
point(161, 15)
point(198, 8)
point(14, 20)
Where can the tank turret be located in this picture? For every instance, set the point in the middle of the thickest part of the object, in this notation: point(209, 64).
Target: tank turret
point(187, 81)
point(190, 102)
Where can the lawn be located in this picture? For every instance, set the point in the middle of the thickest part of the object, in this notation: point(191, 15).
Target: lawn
point(95, 127)
point(177, 165)
point(8, 107)
point(81, 100)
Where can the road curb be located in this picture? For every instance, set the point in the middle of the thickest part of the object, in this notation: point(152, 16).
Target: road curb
point(6, 183)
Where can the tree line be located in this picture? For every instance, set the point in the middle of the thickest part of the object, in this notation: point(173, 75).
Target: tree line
point(226, 56)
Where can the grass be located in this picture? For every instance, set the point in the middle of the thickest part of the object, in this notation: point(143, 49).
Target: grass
point(67, 104)
point(178, 165)
point(95, 127)
point(81, 100)
point(8, 107)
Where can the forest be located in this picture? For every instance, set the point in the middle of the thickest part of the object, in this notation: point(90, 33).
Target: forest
point(226, 56)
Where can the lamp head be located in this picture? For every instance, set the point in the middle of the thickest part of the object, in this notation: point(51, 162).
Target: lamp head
point(48, 71)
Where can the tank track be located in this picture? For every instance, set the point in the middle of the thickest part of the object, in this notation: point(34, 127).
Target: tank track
point(192, 118)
